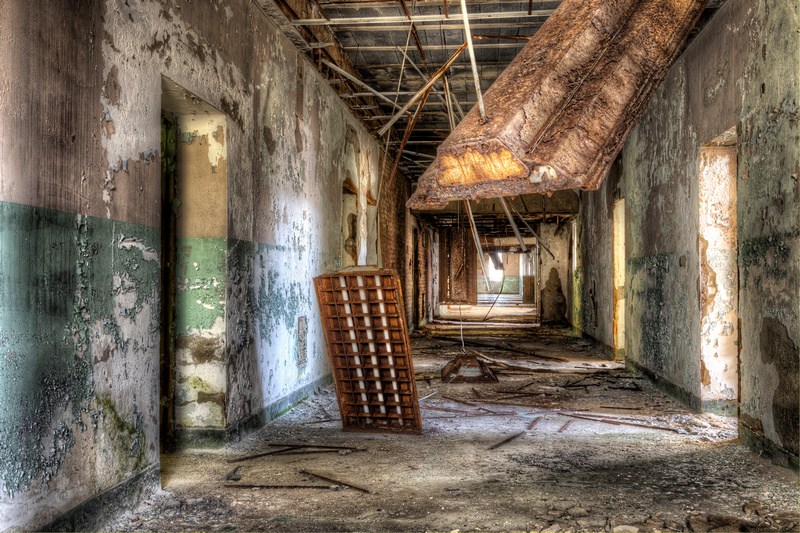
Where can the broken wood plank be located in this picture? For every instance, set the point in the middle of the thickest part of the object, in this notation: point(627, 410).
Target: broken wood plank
point(506, 441)
point(535, 421)
point(331, 480)
point(565, 426)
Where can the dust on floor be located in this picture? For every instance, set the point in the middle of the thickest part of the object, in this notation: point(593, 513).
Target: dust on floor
point(594, 448)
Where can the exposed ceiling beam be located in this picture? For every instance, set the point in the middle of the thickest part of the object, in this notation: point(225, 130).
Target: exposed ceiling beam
point(372, 4)
point(435, 26)
point(496, 15)
point(439, 47)
point(368, 66)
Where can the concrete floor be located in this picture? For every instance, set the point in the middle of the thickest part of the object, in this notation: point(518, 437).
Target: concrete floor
point(687, 473)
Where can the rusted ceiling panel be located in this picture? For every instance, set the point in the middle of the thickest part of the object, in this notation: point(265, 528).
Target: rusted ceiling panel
point(561, 111)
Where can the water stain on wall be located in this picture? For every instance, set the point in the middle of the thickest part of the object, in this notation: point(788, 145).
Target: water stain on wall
point(777, 349)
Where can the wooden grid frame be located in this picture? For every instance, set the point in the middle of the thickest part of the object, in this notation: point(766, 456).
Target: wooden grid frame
point(364, 322)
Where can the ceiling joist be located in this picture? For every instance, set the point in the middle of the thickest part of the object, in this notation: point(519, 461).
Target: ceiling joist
point(373, 20)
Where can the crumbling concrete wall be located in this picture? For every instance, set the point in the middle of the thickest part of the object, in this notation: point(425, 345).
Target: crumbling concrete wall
point(80, 224)
point(741, 71)
point(597, 258)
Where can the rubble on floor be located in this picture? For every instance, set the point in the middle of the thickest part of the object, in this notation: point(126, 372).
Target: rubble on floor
point(491, 457)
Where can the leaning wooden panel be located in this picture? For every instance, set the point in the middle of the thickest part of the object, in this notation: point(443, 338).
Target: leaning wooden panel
point(364, 323)
point(559, 114)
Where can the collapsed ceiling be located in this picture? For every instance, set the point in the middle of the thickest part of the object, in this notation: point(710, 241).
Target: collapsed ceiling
point(379, 54)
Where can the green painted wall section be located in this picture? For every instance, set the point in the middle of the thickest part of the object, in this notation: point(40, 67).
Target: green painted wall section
point(57, 280)
point(200, 278)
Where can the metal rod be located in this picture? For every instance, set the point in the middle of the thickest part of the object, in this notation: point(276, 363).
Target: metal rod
point(424, 77)
point(546, 249)
point(455, 100)
point(406, 135)
point(513, 225)
point(450, 117)
point(359, 82)
point(475, 75)
point(477, 239)
point(422, 91)
point(422, 18)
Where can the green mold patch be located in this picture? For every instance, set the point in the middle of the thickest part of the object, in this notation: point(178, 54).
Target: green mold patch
point(648, 290)
point(127, 438)
point(201, 278)
point(57, 279)
point(772, 253)
point(279, 302)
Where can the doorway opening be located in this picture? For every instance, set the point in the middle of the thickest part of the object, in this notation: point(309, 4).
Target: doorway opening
point(719, 279)
point(194, 244)
point(619, 279)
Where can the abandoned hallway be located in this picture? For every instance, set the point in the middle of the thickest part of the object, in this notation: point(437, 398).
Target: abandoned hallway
point(290, 228)
point(571, 466)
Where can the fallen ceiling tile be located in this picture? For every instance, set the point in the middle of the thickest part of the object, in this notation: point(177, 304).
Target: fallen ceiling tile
point(560, 113)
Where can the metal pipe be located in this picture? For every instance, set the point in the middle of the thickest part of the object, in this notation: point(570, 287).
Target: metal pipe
point(513, 225)
point(424, 76)
point(477, 239)
point(470, 46)
point(359, 82)
point(455, 99)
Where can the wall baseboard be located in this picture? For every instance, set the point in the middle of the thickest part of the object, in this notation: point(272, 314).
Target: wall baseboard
point(96, 513)
point(765, 447)
point(254, 422)
point(687, 398)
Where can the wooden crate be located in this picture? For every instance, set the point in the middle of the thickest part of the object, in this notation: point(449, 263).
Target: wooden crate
point(365, 330)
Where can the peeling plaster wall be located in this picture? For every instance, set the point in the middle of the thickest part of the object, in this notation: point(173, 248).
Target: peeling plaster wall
point(80, 232)
point(741, 71)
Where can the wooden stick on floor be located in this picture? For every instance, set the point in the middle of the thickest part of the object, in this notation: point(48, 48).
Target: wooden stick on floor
point(509, 439)
point(331, 480)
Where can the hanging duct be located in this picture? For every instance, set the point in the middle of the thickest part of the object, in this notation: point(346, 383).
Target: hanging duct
point(559, 114)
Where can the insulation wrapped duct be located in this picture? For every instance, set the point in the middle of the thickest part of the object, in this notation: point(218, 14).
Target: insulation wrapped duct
point(559, 114)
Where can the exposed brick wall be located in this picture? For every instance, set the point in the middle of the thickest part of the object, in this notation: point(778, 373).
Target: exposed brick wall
point(393, 219)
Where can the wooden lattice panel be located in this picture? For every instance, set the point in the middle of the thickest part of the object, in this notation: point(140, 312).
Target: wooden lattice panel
point(364, 322)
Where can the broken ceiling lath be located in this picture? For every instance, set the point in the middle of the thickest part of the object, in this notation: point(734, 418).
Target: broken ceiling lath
point(559, 114)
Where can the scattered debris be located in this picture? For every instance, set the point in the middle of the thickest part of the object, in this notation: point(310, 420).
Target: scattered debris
point(565, 426)
point(467, 369)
